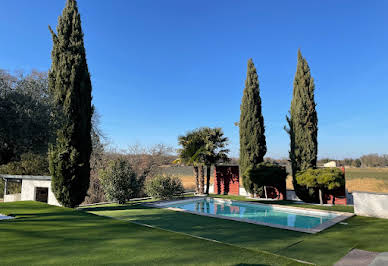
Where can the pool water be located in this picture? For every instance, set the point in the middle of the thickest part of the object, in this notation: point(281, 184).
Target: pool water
point(261, 213)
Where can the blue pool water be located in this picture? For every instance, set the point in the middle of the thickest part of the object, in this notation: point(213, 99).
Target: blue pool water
point(259, 213)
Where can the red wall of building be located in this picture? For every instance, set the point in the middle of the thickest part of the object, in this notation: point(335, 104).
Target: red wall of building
point(226, 180)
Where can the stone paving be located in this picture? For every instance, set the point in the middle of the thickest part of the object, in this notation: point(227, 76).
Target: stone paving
point(380, 260)
point(358, 257)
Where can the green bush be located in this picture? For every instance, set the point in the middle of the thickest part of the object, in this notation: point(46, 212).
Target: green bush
point(120, 182)
point(164, 187)
point(266, 174)
point(323, 179)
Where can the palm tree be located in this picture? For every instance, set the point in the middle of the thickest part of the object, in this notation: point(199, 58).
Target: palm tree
point(214, 151)
point(202, 147)
point(191, 144)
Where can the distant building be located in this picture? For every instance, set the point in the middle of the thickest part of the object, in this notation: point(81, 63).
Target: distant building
point(330, 164)
point(37, 188)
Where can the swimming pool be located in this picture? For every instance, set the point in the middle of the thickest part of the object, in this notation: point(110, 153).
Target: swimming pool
point(292, 218)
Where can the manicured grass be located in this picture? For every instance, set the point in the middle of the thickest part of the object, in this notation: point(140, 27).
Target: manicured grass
point(340, 208)
point(324, 248)
point(43, 234)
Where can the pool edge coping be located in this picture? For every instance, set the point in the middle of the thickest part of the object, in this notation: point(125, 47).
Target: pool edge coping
point(341, 215)
point(6, 217)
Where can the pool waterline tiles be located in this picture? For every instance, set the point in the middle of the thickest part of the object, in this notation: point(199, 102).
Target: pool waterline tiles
point(284, 217)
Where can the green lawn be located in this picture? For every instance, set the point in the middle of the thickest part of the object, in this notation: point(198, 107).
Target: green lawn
point(43, 234)
point(323, 248)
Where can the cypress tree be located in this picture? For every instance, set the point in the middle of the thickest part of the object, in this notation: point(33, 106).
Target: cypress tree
point(303, 128)
point(70, 85)
point(252, 139)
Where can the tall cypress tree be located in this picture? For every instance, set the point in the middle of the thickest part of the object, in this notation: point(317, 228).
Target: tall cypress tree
point(70, 85)
point(253, 145)
point(303, 127)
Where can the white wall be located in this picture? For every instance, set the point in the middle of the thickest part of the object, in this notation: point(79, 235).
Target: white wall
point(28, 190)
point(12, 197)
point(371, 204)
point(243, 192)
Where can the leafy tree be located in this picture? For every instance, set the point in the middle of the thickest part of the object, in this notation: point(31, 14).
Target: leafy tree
point(303, 128)
point(164, 187)
point(266, 174)
point(356, 163)
point(70, 85)
point(253, 145)
point(25, 106)
point(120, 182)
point(323, 179)
point(30, 164)
point(374, 160)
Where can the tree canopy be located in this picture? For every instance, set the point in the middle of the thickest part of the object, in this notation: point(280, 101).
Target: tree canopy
point(25, 107)
point(323, 179)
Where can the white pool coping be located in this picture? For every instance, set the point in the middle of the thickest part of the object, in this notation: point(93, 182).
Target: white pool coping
point(5, 217)
point(341, 216)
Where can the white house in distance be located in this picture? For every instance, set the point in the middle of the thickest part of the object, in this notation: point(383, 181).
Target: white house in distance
point(330, 164)
point(37, 188)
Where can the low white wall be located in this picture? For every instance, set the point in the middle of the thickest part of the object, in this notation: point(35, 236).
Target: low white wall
point(12, 197)
point(370, 204)
point(243, 192)
point(28, 190)
point(291, 195)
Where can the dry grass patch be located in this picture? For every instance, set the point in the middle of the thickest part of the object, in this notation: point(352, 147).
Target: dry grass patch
point(188, 182)
point(367, 184)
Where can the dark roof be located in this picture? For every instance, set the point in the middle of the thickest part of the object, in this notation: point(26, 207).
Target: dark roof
point(26, 177)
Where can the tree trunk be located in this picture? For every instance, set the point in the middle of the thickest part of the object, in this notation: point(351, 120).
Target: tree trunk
point(195, 170)
point(202, 180)
point(207, 178)
point(320, 197)
point(265, 192)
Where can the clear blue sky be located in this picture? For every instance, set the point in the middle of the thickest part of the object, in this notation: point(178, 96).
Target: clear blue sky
point(160, 68)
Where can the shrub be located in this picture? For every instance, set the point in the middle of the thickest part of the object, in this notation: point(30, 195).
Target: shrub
point(323, 179)
point(120, 182)
point(266, 174)
point(164, 187)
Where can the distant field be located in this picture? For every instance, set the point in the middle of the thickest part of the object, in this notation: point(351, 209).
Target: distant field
point(376, 173)
point(185, 173)
point(367, 179)
point(361, 179)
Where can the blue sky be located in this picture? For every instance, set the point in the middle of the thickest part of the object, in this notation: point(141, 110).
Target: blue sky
point(161, 68)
